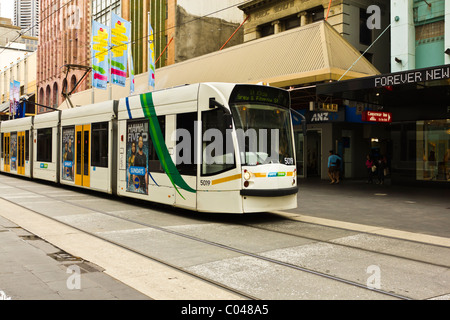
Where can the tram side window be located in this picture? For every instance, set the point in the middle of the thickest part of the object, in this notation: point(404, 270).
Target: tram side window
point(3, 144)
point(154, 165)
point(44, 145)
point(27, 147)
point(186, 146)
point(217, 146)
point(99, 145)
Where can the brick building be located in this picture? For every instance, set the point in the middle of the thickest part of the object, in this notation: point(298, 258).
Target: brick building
point(64, 39)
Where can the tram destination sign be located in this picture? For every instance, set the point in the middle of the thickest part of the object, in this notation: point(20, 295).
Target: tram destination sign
point(260, 94)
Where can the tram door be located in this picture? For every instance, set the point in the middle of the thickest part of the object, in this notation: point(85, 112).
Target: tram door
point(21, 153)
point(6, 157)
point(82, 155)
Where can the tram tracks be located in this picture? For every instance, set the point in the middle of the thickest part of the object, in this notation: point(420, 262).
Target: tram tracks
point(233, 249)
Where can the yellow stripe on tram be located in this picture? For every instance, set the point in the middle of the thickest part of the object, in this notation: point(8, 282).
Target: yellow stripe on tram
point(226, 179)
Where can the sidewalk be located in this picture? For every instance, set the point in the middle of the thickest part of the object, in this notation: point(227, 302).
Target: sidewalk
point(32, 269)
point(406, 208)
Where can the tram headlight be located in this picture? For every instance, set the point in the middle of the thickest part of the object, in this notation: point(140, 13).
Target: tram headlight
point(247, 175)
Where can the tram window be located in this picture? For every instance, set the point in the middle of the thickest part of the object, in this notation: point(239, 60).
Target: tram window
point(217, 149)
point(44, 145)
point(154, 165)
point(99, 146)
point(185, 161)
point(3, 144)
point(27, 147)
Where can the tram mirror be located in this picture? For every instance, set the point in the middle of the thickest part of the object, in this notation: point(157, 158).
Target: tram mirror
point(213, 103)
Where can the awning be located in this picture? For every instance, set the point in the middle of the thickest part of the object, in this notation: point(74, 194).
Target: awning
point(313, 53)
point(4, 107)
point(410, 77)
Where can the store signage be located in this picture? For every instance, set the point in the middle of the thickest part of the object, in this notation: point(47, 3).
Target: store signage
point(331, 107)
point(316, 117)
point(420, 75)
point(374, 116)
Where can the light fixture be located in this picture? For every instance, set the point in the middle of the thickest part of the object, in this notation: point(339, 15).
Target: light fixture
point(447, 51)
point(398, 60)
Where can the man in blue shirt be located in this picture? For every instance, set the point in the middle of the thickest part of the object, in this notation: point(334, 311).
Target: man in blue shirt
point(334, 164)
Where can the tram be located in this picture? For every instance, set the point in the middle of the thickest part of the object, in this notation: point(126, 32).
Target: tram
point(207, 147)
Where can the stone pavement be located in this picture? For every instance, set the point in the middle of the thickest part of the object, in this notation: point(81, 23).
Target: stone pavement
point(33, 269)
point(405, 208)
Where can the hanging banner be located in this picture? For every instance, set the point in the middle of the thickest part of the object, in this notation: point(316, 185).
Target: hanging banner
point(120, 37)
point(11, 98)
point(131, 67)
point(14, 97)
point(151, 57)
point(100, 65)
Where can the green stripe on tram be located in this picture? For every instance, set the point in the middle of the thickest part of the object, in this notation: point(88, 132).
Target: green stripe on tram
point(160, 146)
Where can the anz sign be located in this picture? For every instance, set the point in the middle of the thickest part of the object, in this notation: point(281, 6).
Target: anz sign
point(315, 117)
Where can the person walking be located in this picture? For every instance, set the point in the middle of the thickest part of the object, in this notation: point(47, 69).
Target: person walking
point(381, 169)
point(370, 170)
point(334, 164)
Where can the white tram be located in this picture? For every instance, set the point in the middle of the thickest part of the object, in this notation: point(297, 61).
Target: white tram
point(210, 147)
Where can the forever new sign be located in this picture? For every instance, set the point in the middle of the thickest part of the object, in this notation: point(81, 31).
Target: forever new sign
point(438, 73)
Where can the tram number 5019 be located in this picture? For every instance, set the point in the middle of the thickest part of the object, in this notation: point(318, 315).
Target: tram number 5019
point(205, 183)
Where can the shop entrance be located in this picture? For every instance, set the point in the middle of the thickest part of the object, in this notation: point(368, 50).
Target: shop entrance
point(313, 153)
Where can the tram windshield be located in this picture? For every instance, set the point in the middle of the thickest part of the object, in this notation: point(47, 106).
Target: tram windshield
point(263, 124)
point(264, 133)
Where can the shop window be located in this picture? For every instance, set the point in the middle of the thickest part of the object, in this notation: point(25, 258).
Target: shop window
point(433, 150)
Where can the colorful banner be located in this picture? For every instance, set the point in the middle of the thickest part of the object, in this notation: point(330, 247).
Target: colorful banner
point(100, 65)
point(151, 57)
point(120, 38)
point(14, 97)
point(131, 67)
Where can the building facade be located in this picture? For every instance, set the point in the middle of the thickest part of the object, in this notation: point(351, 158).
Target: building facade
point(26, 16)
point(64, 39)
point(23, 70)
point(414, 97)
point(359, 22)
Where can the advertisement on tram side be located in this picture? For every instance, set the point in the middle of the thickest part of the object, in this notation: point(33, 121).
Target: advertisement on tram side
point(68, 138)
point(137, 156)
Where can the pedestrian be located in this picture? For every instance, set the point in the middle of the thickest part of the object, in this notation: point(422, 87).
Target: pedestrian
point(381, 169)
point(370, 169)
point(334, 164)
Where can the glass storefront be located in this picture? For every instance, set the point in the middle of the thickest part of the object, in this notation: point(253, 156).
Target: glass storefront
point(433, 150)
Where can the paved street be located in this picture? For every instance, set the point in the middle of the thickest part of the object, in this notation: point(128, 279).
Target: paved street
point(34, 268)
